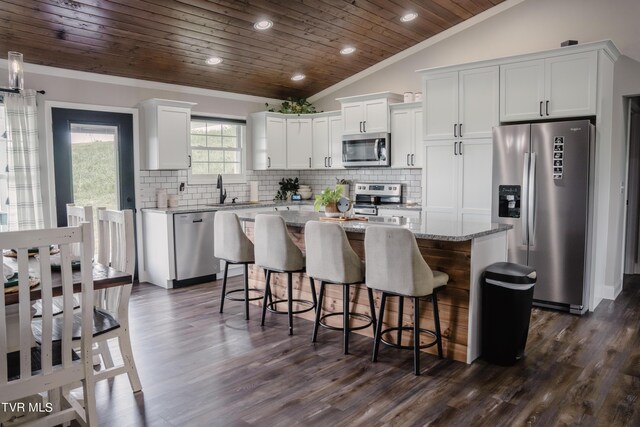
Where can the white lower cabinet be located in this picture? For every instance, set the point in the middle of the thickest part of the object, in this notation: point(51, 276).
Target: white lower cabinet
point(399, 212)
point(457, 184)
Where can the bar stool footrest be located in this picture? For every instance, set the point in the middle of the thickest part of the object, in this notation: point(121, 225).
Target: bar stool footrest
point(408, 329)
point(309, 304)
point(360, 316)
point(228, 296)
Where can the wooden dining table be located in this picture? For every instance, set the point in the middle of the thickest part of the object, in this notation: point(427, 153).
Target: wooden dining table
point(103, 277)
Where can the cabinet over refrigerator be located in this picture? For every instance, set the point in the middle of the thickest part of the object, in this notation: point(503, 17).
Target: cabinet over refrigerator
point(541, 175)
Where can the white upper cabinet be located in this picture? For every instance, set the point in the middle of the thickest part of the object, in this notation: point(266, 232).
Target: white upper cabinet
point(555, 87)
point(321, 147)
point(269, 134)
point(327, 142)
point(406, 135)
point(335, 142)
point(299, 143)
point(367, 113)
point(167, 126)
point(460, 104)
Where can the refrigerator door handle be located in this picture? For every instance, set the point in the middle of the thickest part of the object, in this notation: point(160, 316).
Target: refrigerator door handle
point(524, 213)
point(531, 220)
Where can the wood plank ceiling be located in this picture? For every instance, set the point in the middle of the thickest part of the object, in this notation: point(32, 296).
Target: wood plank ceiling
point(169, 41)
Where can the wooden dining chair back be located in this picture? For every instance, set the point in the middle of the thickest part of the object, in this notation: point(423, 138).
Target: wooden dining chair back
point(75, 216)
point(51, 366)
point(116, 248)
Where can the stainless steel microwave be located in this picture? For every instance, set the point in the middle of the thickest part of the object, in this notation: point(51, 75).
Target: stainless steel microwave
point(366, 149)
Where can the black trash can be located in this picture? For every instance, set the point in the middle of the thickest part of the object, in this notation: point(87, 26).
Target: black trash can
point(507, 295)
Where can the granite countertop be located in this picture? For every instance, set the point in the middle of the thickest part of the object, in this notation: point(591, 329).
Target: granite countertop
point(253, 205)
point(227, 206)
point(441, 230)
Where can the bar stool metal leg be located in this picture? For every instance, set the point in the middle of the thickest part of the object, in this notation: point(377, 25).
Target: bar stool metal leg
point(372, 308)
point(378, 335)
point(318, 313)
point(224, 286)
point(436, 319)
point(267, 296)
point(290, 301)
point(400, 317)
point(345, 319)
point(313, 292)
point(246, 291)
point(416, 336)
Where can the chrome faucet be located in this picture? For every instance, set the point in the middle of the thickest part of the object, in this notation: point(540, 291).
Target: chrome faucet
point(223, 193)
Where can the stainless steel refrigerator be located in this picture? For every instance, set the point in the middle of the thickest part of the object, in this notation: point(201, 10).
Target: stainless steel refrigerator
point(541, 175)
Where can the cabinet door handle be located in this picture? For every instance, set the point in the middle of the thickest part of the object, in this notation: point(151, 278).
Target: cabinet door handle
point(541, 113)
point(413, 163)
point(408, 164)
point(547, 107)
point(268, 162)
point(455, 130)
point(189, 160)
point(364, 126)
point(455, 148)
point(360, 127)
point(309, 162)
point(330, 161)
point(460, 130)
point(460, 148)
point(325, 162)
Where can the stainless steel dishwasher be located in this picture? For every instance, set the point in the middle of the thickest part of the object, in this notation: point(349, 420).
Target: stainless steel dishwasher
point(193, 240)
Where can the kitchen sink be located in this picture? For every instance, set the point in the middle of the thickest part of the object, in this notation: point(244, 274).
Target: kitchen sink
point(221, 205)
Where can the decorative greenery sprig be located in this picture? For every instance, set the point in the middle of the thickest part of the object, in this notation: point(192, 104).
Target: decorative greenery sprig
point(293, 106)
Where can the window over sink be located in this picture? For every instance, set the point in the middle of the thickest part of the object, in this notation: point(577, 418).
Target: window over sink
point(217, 147)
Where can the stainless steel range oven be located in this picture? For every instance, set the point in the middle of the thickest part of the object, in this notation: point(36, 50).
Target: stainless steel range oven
point(366, 149)
point(369, 196)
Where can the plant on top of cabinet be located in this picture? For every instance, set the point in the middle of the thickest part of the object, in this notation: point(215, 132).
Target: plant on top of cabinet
point(288, 186)
point(293, 106)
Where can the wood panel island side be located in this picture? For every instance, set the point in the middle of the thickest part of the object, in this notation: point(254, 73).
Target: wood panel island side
point(462, 250)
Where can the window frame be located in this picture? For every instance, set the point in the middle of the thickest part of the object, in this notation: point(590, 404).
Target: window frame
point(202, 179)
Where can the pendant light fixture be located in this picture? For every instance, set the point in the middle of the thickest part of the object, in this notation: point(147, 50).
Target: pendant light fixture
point(16, 71)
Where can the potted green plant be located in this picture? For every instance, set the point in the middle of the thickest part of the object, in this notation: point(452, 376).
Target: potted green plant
point(288, 186)
point(329, 198)
point(293, 106)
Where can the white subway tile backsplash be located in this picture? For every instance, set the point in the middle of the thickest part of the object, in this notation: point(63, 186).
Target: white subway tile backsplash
point(193, 195)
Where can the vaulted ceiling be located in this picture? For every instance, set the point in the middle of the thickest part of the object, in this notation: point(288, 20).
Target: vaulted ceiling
point(169, 41)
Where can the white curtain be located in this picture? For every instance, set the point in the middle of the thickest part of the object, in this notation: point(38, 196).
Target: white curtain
point(25, 198)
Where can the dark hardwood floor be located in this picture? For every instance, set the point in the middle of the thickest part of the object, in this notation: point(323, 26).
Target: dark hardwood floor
point(202, 368)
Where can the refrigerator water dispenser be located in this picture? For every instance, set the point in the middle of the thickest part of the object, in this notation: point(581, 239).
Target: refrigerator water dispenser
point(509, 201)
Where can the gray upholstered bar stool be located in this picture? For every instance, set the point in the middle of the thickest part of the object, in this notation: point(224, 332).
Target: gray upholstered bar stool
point(276, 253)
point(234, 247)
point(396, 268)
point(332, 260)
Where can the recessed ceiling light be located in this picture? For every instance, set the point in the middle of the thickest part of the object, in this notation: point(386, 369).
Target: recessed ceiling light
point(347, 50)
point(264, 24)
point(297, 77)
point(410, 16)
point(214, 60)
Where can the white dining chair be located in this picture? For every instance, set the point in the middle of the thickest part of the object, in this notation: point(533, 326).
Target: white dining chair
point(53, 366)
point(116, 248)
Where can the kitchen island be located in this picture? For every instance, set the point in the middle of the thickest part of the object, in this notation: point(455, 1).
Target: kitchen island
point(460, 249)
